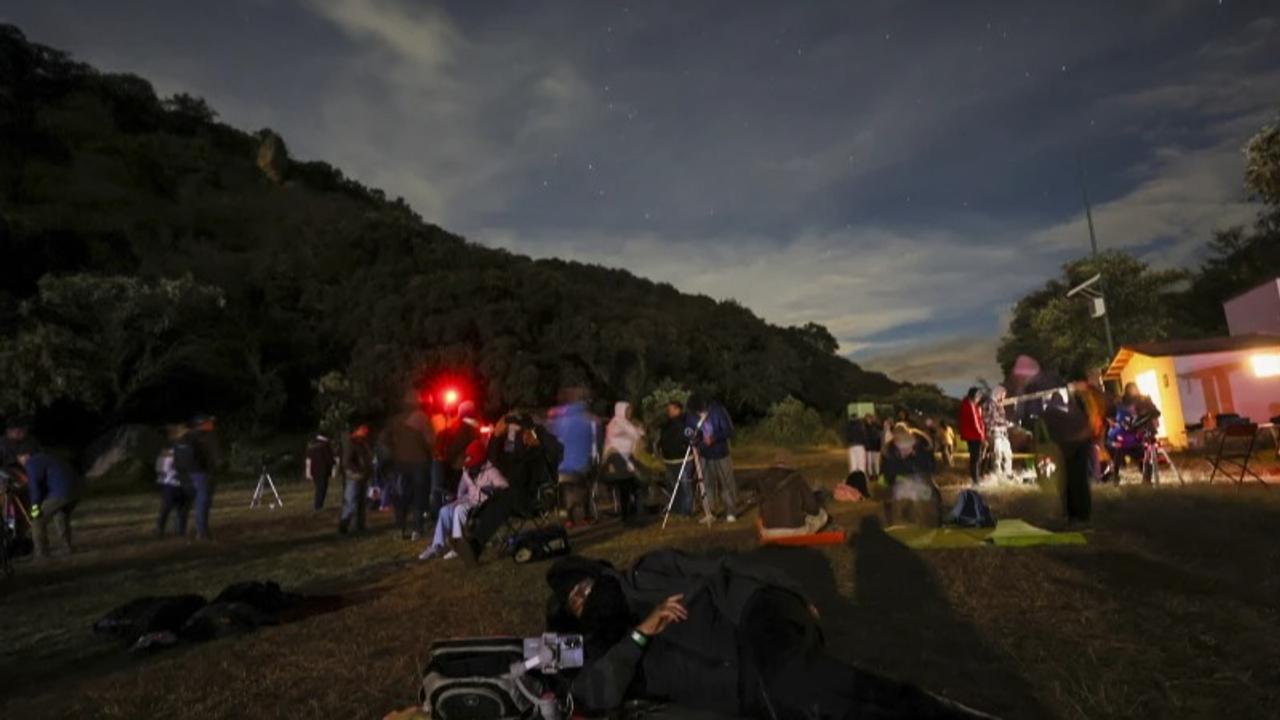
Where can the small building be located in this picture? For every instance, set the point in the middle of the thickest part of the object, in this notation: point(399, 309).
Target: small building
point(1188, 379)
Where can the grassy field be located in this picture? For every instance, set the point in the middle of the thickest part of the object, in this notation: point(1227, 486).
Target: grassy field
point(1171, 610)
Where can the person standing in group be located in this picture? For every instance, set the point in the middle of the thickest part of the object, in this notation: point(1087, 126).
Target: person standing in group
point(1065, 419)
point(972, 431)
point(318, 466)
point(355, 467)
point(196, 457)
point(175, 497)
point(855, 439)
point(621, 436)
point(714, 451)
point(673, 445)
point(997, 427)
point(875, 442)
point(54, 489)
point(574, 427)
point(408, 438)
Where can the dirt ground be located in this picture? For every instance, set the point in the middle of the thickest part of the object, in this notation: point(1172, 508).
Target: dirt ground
point(1172, 609)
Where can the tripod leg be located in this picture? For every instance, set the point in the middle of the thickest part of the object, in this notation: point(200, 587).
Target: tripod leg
point(675, 489)
point(272, 483)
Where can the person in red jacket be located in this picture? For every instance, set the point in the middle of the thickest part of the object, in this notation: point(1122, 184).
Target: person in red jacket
point(972, 430)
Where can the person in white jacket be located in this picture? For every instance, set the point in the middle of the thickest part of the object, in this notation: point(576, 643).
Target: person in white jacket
point(621, 437)
point(479, 477)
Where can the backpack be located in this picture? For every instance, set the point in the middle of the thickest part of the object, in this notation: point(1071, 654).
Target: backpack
point(539, 544)
point(471, 680)
point(971, 511)
point(184, 457)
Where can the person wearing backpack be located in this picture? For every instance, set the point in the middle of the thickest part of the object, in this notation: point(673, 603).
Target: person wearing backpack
point(195, 457)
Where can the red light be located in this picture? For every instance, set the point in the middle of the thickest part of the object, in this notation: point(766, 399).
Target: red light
point(486, 430)
point(450, 397)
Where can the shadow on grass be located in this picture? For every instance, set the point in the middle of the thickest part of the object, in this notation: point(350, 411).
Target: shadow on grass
point(900, 624)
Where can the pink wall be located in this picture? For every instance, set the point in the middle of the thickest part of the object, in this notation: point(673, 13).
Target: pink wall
point(1257, 311)
point(1227, 382)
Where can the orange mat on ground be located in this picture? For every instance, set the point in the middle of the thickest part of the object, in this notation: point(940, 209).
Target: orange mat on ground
point(830, 537)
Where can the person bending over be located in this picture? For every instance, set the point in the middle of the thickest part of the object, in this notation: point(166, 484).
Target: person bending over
point(908, 468)
point(788, 506)
point(54, 489)
point(479, 477)
point(722, 635)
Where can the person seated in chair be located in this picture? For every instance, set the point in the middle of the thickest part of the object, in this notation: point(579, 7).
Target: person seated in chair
point(724, 635)
point(479, 478)
point(788, 505)
point(908, 467)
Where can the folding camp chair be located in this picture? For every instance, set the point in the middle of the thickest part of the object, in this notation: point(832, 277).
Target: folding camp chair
point(1237, 435)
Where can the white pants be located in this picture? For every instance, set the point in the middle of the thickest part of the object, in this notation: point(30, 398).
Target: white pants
point(857, 458)
point(1002, 457)
point(873, 464)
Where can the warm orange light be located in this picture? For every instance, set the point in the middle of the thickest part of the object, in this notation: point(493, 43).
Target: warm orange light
point(1265, 366)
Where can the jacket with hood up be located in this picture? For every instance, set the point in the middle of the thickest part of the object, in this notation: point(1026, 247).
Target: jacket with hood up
point(621, 434)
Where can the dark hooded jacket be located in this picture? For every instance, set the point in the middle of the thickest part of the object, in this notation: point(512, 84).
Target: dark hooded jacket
point(695, 663)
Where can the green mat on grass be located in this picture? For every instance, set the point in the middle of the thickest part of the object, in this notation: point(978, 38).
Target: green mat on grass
point(1006, 533)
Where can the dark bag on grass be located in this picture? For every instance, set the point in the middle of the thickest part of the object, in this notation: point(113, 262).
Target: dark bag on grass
point(223, 619)
point(470, 680)
point(145, 615)
point(539, 544)
point(971, 511)
point(265, 595)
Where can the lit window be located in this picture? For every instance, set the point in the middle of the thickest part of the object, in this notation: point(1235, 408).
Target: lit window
point(1265, 366)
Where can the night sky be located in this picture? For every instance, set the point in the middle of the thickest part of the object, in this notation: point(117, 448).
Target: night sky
point(898, 171)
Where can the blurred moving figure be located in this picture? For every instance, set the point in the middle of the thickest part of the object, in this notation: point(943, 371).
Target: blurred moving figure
point(972, 431)
point(948, 437)
point(574, 427)
point(908, 467)
point(408, 437)
point(318, 466)
point(450, 448)
point(355, 469)
point(1064, 419)
point(54, 491)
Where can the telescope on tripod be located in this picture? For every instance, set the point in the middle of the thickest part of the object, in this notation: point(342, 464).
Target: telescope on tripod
point(266, 482)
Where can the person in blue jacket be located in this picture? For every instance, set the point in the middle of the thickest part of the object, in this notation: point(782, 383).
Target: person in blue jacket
point(575, 428)
point(54, 489)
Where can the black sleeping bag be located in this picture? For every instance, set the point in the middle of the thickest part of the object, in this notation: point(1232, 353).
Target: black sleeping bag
point(145, 615)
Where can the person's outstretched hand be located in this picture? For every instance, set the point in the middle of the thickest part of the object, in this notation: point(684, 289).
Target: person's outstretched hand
point(669, 611)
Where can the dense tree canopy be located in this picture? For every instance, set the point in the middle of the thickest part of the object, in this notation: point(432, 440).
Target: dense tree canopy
point(158, 262)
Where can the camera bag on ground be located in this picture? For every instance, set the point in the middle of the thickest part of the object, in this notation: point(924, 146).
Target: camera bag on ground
point(539, 544)
point(471, 680)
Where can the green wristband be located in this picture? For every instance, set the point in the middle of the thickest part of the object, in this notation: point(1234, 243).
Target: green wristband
point(640, 639)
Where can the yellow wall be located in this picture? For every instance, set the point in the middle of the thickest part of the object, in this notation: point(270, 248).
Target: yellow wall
point(1173, 427)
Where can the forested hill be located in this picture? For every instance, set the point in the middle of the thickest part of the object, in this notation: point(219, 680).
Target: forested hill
point(157, 262)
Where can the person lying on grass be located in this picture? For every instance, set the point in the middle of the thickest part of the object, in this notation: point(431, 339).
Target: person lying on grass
point(724, 635)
